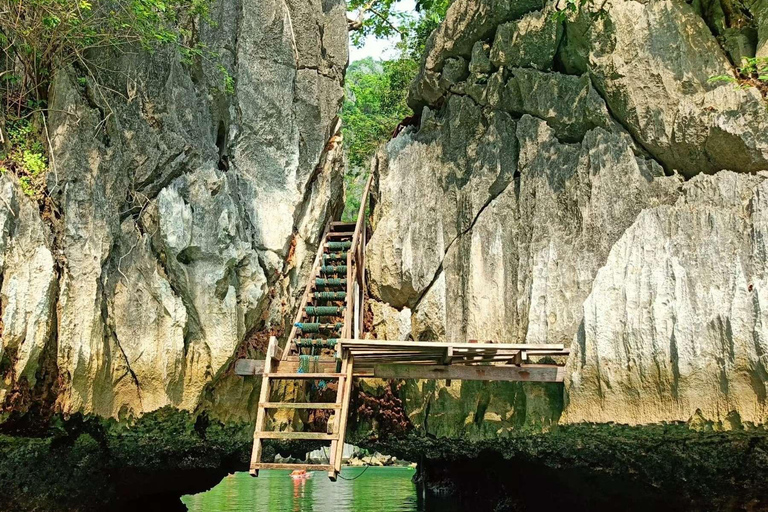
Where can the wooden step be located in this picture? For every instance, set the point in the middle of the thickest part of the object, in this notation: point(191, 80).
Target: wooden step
point(335, 256)
point(340, 234)
point(338, 246)
point(316, 327)
point(331, 283)
point(336, 224)
point(324, 310)
point(293, 467)
point(297, 405)
point(333, 269)
point(328, 296)
point(304, 436)
point(288, 376)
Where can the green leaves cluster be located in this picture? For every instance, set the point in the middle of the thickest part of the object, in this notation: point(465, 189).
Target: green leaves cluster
point(375, 104)
point(25, 156)
point(381, 19)
point(39, 37)
point(753, 72)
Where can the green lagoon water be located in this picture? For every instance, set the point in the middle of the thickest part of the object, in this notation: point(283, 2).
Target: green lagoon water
point(377, 490)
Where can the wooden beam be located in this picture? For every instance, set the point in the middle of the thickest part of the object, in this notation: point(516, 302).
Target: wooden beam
point(374, 344)
point(322, 366)
point(308, 436)
point(297, 405)
point(261, 414)
point(307, 467)
point(539, 373)
point(292, 376)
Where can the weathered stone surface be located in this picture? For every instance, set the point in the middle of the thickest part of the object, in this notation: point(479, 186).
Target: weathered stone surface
point(481, 62)
point(467, 22)
point(569, 104)
point(675, 326)
point(530, 42)
point(182, 204)
point(542, 206)
point(652, 63)
point(389, 323)
point(28, 288)
point(457, 163)
point(524, 264)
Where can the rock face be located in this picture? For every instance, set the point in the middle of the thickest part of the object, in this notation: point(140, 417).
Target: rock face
point(184, 196)
point(543, 199)
point(676, 321)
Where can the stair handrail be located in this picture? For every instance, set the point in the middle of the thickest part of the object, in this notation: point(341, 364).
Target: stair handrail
point(356, 267)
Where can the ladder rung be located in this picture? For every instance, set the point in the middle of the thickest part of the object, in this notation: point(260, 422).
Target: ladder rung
point(275, 465)
point(313, 327)
point(335, 256)
point(313, 343)
point(304, 375)
point(333, 269)
point(338, 246)
point(339, 234)
point(324, 310)
point(308, 436)
point(296, 405)
point(327, 283)
point(328, 295)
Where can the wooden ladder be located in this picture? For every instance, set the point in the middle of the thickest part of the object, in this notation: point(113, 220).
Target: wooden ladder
point(275, 370)
point(326, 314)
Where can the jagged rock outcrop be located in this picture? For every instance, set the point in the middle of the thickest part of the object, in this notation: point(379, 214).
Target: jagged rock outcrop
point(29, 286)
point(675, 325)
point(543, 198)
point(183, 196)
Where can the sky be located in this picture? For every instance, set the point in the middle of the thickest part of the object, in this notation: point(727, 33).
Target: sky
point(381, 48)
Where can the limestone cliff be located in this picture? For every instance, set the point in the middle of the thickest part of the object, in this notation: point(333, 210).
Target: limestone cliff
point(185, 209)
point(580, 181)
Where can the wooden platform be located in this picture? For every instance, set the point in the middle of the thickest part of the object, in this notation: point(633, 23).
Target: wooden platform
point(435, 360)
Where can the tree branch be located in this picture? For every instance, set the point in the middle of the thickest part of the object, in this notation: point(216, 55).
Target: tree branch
point(356, 24)
point(385, 20)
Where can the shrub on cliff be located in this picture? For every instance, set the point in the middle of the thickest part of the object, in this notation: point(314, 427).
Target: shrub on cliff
point(40, 37)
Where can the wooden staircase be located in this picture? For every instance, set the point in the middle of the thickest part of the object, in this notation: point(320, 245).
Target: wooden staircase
point(329, 311)
point(325, 346)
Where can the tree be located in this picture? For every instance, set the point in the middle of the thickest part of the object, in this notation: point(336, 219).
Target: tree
point(379, 18)
point(377, 90)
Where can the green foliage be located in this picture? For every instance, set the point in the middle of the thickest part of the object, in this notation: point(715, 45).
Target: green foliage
point(377, 91)
point(753, 72)
point(25, 157)
point(375, 104)
point(39, 37)
point(571, 7)
point(381, 19)
point(229, 81)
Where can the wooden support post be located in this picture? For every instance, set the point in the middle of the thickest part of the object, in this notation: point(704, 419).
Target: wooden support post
point(261, 415)
point(341, 423)
point(447, 360)
point(336, 420)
